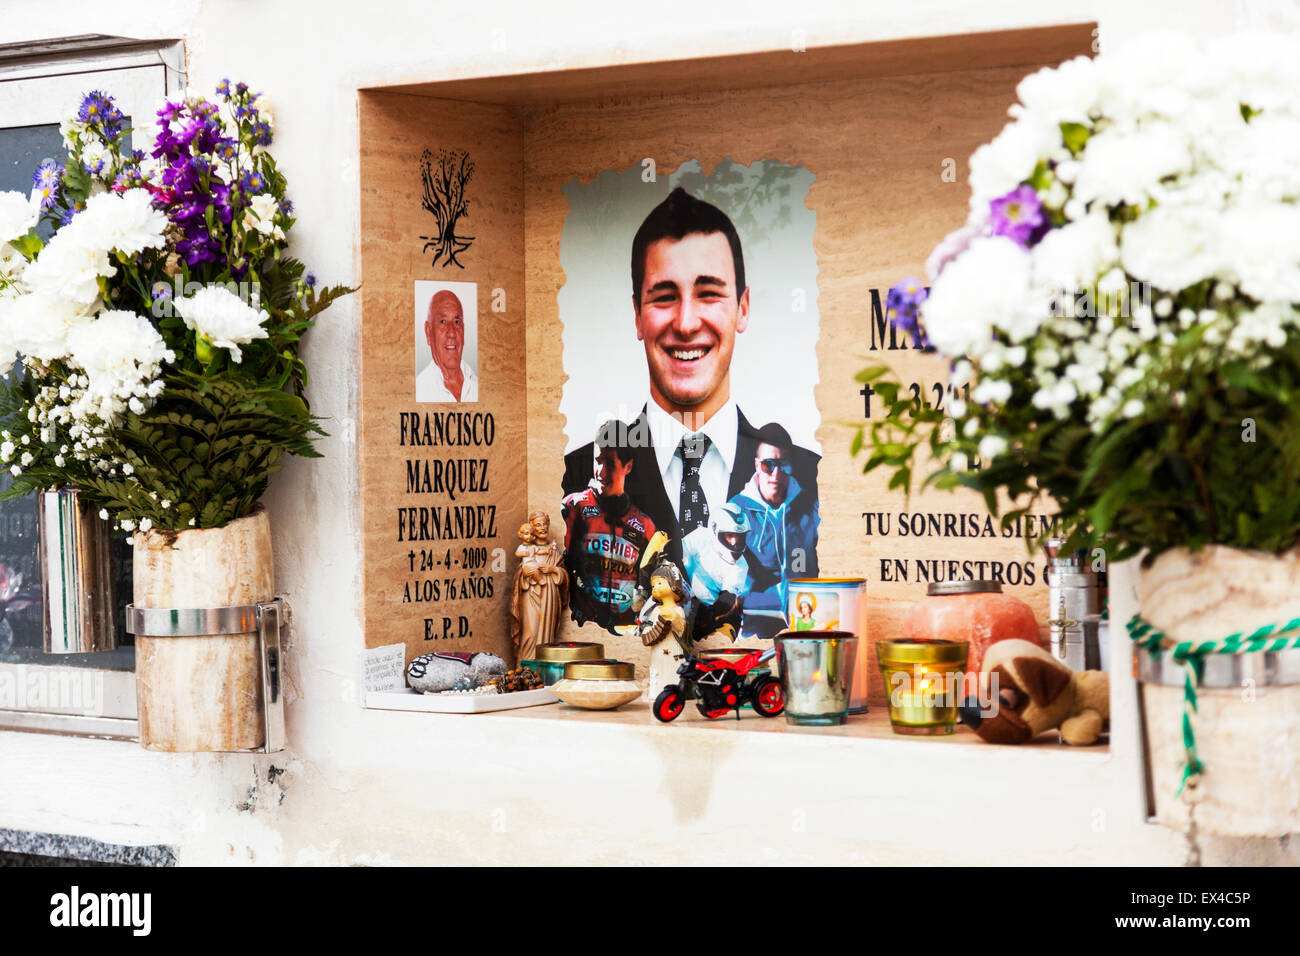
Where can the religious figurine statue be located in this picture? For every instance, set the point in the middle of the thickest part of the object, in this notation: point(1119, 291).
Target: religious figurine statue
point(541, 588)
point(664, 625)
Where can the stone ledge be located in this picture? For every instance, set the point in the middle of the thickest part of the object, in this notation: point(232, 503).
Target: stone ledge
point(872, 727)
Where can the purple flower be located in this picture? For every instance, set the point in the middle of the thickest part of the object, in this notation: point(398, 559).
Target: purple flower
point(46, 183)
point(310, 280)
point(189, 188)
point(903, 309)
point(287, 207)
point(129, 178)
point(98, 111)
point(94, 106)
point(1018, 215)
point(223, 88)
point(113, 123)
point(70, 212)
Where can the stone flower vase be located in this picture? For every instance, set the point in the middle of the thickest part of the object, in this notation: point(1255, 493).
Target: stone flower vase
point(1247, 724)
point(202, 693)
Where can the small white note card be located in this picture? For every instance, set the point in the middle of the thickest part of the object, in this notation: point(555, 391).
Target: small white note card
point(383, 668)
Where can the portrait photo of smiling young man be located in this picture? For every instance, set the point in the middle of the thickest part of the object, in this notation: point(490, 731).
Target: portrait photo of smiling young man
point(695, 442)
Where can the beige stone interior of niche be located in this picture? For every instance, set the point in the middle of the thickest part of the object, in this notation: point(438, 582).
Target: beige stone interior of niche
point(874, 122)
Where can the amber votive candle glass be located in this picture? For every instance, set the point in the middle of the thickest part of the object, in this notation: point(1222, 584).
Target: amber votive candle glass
point(924, 682)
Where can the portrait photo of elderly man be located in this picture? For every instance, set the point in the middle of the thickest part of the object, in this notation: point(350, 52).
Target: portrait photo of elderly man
point(694, 448)
point(443, 372)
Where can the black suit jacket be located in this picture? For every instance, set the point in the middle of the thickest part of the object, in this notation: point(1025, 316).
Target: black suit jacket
point(645, 485)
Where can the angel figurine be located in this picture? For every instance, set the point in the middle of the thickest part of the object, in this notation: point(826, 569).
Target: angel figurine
point(664, 625)
point(541, 590)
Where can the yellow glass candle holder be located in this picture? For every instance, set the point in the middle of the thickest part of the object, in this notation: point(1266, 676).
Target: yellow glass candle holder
point(923, 681)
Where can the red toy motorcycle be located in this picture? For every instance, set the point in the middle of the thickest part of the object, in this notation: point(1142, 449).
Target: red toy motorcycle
point(722, 686)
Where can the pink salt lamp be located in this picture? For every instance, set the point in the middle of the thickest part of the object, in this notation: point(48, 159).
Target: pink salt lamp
point(973, 611)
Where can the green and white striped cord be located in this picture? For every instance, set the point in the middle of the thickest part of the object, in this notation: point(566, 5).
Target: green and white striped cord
point(1192, 654)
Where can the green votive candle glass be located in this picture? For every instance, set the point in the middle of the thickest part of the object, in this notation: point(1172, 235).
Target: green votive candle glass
point(551, 658)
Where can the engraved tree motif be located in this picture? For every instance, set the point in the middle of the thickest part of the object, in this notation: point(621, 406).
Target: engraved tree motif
point(444, 184)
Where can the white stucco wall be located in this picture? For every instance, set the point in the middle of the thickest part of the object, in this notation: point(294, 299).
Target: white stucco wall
point(374, 787)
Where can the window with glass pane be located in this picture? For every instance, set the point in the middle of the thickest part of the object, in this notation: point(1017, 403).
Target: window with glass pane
point(37, 92)
point(22, 149)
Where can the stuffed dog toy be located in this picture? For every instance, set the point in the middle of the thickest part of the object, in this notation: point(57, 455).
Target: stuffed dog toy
point(1036, 692)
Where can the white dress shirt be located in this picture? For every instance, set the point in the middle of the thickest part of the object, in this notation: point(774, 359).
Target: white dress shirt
point(667, 432)
point(430, 387)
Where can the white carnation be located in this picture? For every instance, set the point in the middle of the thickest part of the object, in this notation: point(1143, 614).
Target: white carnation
point(1261, 242)
point(1124, 165)
point(69, 268)
point(1000, 166)
point(1261, 69)
point(1208, 187)
point(223, 317)
point(1261, 156)
point(38, 324)
point(118, 351)
point(1073, 256)
point(124, 222)
point(77, 256)
point(1064, 94)
point(987, 285)
point(12, 265)
point(17, 215)
point(1166, 76)
point(1150, 76)
point(1173, 247)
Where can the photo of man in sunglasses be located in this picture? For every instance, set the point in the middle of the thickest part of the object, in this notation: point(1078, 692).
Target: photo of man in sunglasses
point(782, 543)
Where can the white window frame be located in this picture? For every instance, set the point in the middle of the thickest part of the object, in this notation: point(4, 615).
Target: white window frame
point(42, 82)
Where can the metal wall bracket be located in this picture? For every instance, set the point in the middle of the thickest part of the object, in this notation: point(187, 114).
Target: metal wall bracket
point(265, 619)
